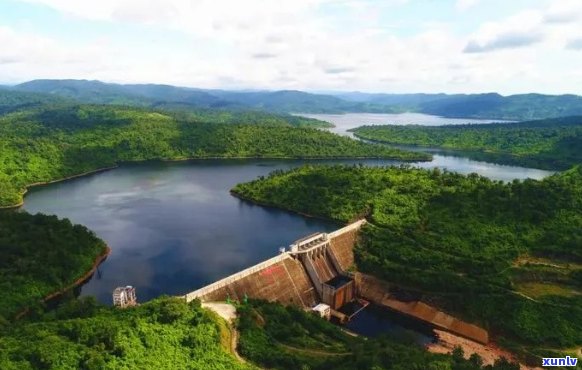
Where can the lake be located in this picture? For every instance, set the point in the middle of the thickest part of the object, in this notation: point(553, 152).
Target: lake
point(344, 122)
point(174, 227)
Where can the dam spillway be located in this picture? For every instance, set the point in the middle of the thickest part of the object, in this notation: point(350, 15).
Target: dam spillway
point(293, 277)
point(314, 270)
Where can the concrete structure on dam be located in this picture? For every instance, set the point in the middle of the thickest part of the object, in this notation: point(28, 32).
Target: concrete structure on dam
point(315, 270)
point(297, 276)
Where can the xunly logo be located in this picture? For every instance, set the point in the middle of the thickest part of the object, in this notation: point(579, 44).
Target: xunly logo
point(560, 361)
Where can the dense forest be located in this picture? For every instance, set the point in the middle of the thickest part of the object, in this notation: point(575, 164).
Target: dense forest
point(12, 101)
point(507, 256)
point(41, 145)
point(168, 333)
point(277, 337)
point(152, 95)
point(548, 144)
point(490, 105)
point(165, 333)
point(40, 255)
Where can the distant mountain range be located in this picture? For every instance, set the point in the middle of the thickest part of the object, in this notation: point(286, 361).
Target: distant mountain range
point(490, 105)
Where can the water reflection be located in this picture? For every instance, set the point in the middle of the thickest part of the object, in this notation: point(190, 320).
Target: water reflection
point(374, 321)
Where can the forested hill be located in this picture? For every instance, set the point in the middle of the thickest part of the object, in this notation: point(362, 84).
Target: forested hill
point(507, 256)
point(12, 100)
point(41, 255)
point(490, 105)
point(152, 95)
point(49, 144)
point(547, 144)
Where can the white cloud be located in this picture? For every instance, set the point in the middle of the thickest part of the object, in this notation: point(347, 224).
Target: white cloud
point(517, 31)
point(575, 44)
point(294, 44)
point(463, 5)
point(564, 11)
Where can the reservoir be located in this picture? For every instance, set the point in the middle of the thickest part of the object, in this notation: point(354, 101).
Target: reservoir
point(344, 122)
point(173, 227)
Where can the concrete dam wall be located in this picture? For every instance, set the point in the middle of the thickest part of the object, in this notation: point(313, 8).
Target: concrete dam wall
point(282, 279)
point(315, 270)
point(286, 278)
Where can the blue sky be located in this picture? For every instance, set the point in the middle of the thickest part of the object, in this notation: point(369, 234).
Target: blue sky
point(367, 45)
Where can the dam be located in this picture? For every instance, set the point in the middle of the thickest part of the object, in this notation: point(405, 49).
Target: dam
point(317, 269)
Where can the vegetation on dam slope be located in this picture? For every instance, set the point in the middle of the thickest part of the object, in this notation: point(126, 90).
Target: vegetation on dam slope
point(277, 337)
point(466, 243)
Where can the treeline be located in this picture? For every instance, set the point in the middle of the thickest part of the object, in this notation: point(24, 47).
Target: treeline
point(13, 101)
point(40, 256)
point(490, 105)
point(165, 333)
point(50, 144)
point(454, 240)
point(277, 337)
point(548, 144)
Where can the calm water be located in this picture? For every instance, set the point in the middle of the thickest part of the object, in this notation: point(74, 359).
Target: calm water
point(374, 321)
point(344, 122)
point(174, 227)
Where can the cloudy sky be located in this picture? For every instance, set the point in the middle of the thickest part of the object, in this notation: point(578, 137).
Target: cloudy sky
point(508, 46)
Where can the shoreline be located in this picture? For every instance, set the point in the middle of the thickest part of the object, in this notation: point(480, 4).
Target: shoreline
point(511, 159)
point(274, 206)
point(165, 160)
point(98, 261)
point(490, 352)
point(44, 183)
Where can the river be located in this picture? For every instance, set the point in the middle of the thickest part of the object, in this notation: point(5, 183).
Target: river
point(173, 226)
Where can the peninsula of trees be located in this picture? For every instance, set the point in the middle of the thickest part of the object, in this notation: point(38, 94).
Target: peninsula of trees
point(41, 255)
point(548, 144)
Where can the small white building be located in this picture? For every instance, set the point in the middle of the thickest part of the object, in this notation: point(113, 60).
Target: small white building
point(323, 310)
point(124, 296)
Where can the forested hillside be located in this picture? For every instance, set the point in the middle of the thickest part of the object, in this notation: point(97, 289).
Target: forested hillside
point(505, 256)
point(549, 144)
point(11, 101)
point(152, 95)
point(40, 256)
point(490, 105)
point(97, 92)
point(50, 144)
point(182, 107)
point(165, 333)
